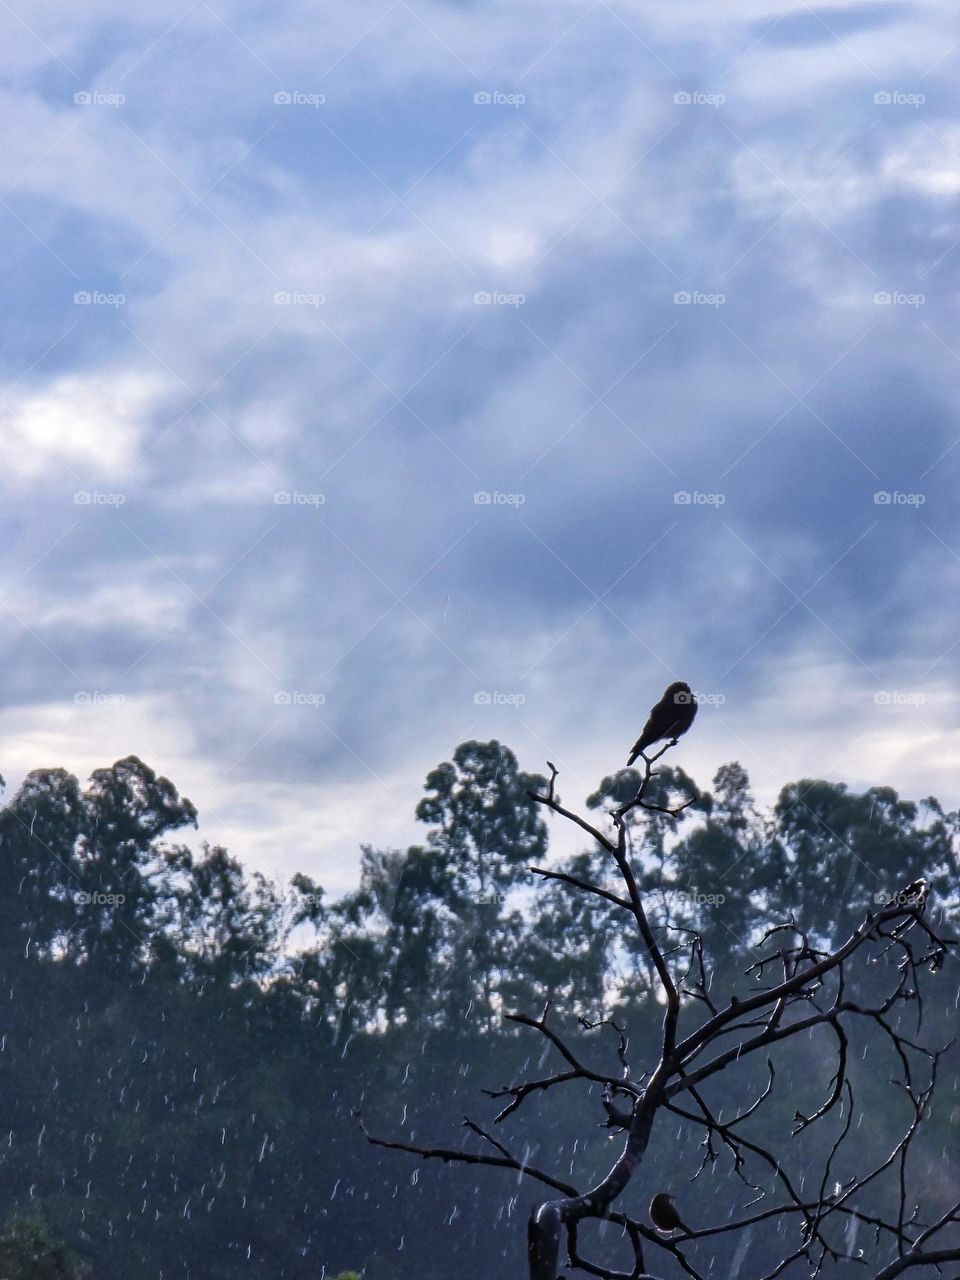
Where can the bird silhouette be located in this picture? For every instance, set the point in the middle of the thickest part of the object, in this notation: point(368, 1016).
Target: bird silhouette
point(663, 1214)
point(672, 716)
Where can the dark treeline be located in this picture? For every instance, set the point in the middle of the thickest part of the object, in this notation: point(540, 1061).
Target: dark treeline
point(182, 1045)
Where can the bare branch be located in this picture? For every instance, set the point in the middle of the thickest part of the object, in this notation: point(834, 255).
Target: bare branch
point(800, 987)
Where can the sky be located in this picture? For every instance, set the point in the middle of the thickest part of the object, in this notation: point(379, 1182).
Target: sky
point(377, 376)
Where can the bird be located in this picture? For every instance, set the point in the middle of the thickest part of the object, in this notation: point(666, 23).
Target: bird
point(672, 716)
point(663, 1214)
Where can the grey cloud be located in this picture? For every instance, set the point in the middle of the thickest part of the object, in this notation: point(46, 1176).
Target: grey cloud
point(380, 595)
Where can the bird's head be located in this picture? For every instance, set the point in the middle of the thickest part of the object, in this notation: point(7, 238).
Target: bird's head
point(680, 692)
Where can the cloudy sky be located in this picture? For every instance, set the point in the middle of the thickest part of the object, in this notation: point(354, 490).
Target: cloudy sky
point(379, 375)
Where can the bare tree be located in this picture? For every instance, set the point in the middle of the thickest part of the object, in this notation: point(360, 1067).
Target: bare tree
point(800, 988)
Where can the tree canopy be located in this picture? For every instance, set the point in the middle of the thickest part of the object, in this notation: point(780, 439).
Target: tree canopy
point(183, 1043)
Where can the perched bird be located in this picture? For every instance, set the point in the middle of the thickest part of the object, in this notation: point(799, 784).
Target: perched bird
point(672, 716)
point(663, 1214)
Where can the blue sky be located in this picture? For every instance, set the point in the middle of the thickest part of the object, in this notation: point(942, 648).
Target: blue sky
point(289, 286)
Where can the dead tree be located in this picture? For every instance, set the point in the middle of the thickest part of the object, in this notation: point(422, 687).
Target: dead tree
point(800, 988)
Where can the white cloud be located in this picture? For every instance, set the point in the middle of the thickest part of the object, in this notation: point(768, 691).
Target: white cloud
point(92, 729)
point(88, 424)
point(146, 606)
point(289, 407)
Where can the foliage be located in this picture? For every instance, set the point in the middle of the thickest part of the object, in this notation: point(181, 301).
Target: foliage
point(180, 1068)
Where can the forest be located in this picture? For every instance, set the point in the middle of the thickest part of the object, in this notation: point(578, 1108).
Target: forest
point(192, 1055)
